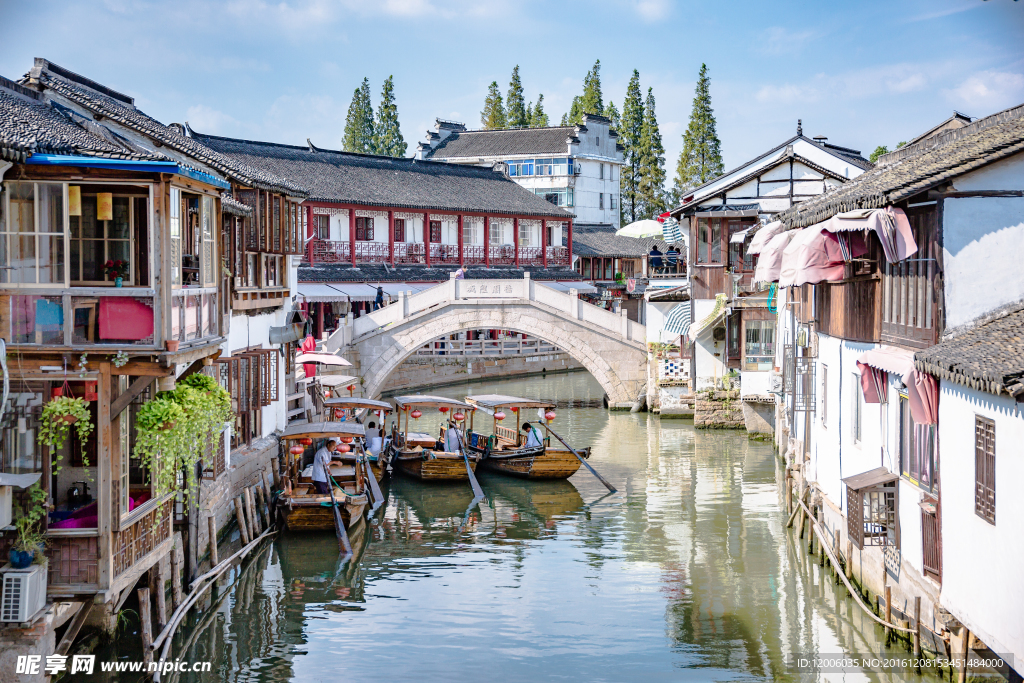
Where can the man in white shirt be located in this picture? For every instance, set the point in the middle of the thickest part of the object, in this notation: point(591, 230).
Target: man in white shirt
point(451, 440)
point(322, 465)
point(533, 436)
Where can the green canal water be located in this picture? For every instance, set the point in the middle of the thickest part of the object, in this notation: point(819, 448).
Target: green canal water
point(686, 574)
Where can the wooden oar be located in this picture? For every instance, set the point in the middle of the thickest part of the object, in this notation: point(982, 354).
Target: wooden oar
point(339, 523)
point(478, 493)
point(378, 497)
point(580, 458)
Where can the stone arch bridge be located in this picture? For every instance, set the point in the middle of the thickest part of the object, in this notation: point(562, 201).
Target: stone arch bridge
point(609, 345)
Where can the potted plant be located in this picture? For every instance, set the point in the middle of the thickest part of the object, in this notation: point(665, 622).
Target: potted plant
point(172, 345)
point(117, 269)
point(59, 414)
point(30, 542)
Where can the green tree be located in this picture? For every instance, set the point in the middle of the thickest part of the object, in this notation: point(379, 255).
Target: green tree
point(880, 150)
point(538, 119)
point(590, 102)
point(518, 115)
point(493, 115)
point(630, 129)
point(612, 113)
point(358, 136)
point(387, 133)
point(651, 186)
point(701, 158)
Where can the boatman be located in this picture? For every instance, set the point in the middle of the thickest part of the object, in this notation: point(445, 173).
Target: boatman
point(322, 465)
point(451, 439)
point(533, 436)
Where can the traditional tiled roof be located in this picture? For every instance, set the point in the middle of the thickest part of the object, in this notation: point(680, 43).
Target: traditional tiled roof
point(372, 272)
point(30, 125)
point(989, 357)
point(604, 242)
point(106, 103)
point(919, 167)
point(505, 142)
point(345, 178)
point(230, 205)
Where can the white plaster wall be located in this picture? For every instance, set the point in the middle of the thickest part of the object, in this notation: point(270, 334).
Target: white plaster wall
point(709, 365)
point(589, 184)
point(984, 235)
point(982, 576)
point(655, 314)
point(254, 330)
point(754, 382)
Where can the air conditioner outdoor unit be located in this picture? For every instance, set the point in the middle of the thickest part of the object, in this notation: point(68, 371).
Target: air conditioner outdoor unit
point(23, 593)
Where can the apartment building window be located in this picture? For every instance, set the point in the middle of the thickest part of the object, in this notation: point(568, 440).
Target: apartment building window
point(824, 395)
point(600, 200)
point(323, 227)
point(856, 406)
point(709, 240)
point(558, 196)
point(601, 175)
point(611, 201)
point(760, 345)
point(552, 166)
point(364, 229)
point(985, 468)
point(521, 167)
point(399, 229)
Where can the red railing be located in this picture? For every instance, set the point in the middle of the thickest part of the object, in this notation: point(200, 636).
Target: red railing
point(504, 255)
point(331, 251)
point(409, 253)
point(558, 256)
point(372, 252)
point(444, 253)
point(474, 254)
point(531, 256)
point(336, 251)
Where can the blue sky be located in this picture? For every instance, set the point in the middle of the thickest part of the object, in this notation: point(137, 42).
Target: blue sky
point(862, 73)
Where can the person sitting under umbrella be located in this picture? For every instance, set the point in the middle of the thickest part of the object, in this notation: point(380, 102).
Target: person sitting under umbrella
point(672, 256)
point(654, 258)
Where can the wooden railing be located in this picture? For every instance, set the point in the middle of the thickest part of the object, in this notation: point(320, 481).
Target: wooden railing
point(507, 434)
point(142, 536)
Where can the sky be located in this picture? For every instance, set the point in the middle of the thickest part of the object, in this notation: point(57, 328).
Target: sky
point(866, 73)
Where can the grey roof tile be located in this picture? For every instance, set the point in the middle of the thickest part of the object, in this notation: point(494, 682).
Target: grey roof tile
point(505, 142)
point(602, 241)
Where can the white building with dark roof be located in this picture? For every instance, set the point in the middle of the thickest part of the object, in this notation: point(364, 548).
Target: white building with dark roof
point(574, 167)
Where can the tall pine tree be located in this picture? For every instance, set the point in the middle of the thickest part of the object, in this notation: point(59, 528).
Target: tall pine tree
point(651, 188)
point(630, 130)
point(518, 115)
point(611, 112)
point(701, 158)
point(493, 114)
point(538, 119)
point(590, 102)
point(358, 135)
point(387, 133)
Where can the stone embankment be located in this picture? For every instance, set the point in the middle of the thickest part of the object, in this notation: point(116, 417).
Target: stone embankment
point(718, 409)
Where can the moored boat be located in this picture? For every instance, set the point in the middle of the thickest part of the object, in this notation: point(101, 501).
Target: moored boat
point(507, 451)
point(420, 455)
point(371, 414)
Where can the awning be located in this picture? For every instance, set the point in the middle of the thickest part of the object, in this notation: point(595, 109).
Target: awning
point(319, 293)
point(875, 477)
point(580, 287)
point(717, 312)
point(677, 322)
point(22, 481)
point(670, 231)
point(761, 238)
point(922, 389)
point(890, 224)
point(769, 265)
point(143, 166)
point(321, 358)
point(738, 237)
point(813, 256)
point(331, 380)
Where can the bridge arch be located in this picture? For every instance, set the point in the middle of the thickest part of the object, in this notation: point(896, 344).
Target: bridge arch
point(616, 361)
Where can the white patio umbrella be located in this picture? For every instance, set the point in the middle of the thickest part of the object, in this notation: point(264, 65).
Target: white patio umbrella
point(321, 358)
point(644, 228)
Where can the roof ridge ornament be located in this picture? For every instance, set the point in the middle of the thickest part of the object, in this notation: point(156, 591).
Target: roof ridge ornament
point(800, 127)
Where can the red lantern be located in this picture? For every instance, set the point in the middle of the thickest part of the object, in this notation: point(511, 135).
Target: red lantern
point(339, 413)
point(459, 417)
point(351, 387)
point(499, 416)
point(344, 448)
point(515, 409)
point(306, 441)
point(296, 450)
point(406, 408)
point(443, 409)
point(346, 439)
point(416, 414)
point(550, 415)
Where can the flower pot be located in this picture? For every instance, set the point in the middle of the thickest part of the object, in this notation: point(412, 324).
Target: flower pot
point(118, 281)
point(172, 345)
point(21, 559)
point(70, 419)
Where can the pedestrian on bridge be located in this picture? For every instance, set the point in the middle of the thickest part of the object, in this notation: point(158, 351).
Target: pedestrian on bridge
point(460, 274)
point(379, 301)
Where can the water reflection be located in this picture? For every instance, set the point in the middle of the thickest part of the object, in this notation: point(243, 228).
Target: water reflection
point(686, 574)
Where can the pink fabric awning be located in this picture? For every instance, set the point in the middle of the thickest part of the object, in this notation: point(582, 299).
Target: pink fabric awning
point(769, 265)
point(763, 236)
point(890, 224)
point(922, 389)
point(813, 256)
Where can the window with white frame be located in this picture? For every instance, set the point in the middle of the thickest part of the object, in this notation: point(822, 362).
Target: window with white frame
point(611, 201)
point(33, 225)
point(473, 231)
point(759, 350)
point(501, 233)
point(559, 196)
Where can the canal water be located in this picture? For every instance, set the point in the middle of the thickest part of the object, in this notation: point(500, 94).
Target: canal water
point(686, 574)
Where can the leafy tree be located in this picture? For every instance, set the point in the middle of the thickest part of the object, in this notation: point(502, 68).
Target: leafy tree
point(538, 119)
point(701, 158)
point(630, 129)
point(590, 102)
point(518, 115)
point(358, 136)
point(651, 186)
point(493, 115)
point(387, 133)
point(612, 113)
point(880, 150)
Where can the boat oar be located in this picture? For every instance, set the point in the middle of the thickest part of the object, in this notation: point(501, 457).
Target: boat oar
point(580, 458)
point(378, 497)
point(478, 493)
point(339, 523)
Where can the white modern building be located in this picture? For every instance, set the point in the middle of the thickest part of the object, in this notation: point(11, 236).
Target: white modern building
point(575, 167)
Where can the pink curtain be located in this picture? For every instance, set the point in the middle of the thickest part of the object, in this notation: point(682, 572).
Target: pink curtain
point(923, 394)
point(873, 382)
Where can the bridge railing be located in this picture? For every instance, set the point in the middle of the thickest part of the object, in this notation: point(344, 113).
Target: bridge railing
point(410, 304)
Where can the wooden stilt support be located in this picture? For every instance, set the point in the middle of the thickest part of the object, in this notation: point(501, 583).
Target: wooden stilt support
point(789, 491)
point(803, 513)
point(917, 626)
point(243, 526)
point(964, 653)
point(254, 522)
point(176, 572)
point(271, 512)
point(275, 471)
point(147, 626)
point(849, 565)
point(72, 631)
point(212, 521)
point(159, 585)
point(835, 554)
point(261, 506)
point(888, 612)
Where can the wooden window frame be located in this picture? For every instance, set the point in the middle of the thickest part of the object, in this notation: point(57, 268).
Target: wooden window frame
point(400, 230)
point(878, 497)
point(435, 237)
point(985, 468)
point(364, 229)
point(912, 289)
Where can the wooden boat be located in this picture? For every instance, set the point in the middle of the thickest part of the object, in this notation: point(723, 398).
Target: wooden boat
point(300, 506)
point(372, 418)
point(416, 454)
point(505, 451)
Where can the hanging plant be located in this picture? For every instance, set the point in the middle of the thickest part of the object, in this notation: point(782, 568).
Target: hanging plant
point(59, 414)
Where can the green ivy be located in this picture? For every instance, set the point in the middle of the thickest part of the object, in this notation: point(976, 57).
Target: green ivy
point(53, 430)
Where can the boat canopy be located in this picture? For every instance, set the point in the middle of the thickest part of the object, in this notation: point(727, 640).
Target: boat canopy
point(323, 430)
point(498, 401)
point(356, 402)
point(430, 401)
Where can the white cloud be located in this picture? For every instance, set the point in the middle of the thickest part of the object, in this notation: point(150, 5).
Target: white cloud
point(778, 40)
point(652, 10)
point(209, 120)
point(988, 90)
point(408, 8)
point(889, 79)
